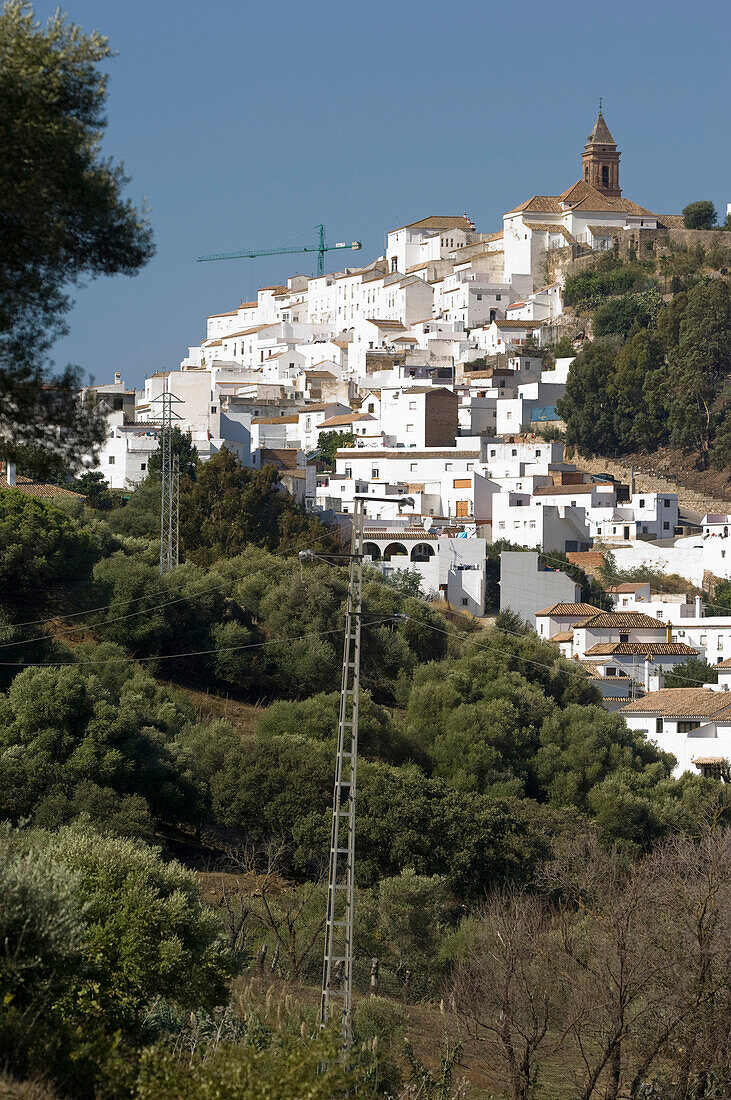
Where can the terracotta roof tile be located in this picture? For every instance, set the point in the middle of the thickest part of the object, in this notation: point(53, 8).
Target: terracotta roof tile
point(578, 609)
point(639, 649)
point(633, 619)
point(682, 703)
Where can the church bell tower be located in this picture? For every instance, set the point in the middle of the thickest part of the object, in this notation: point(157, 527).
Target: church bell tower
point(600, 160)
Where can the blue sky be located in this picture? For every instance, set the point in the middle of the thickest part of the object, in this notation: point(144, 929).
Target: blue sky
point(245, 124)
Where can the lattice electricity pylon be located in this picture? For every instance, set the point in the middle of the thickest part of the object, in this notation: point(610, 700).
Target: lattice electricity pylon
point(170, 484)
point(337, 970)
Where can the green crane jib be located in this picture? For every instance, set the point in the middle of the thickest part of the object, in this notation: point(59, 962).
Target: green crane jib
point(320, 248)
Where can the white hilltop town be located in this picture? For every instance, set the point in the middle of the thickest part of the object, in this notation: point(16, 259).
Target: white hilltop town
point(431, 357)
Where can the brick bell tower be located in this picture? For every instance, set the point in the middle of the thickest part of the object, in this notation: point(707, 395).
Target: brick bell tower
point(600, 160)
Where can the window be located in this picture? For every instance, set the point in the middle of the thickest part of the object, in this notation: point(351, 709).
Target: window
point(666, 503)
point(111, 460)
point(642, 502)
point(492, 454)
point(623, 637)
point(605, 175)
point(448, 465)
point(703, 639)
point(143, 466)
point(371, 407)
point(414, 466)
point(374, 472)
point(498, 297)
point(658, 614)
point(509, 416)
point(538, 453)
point(409, 427)
point(394, 263)
point(348, 471)
point(513, 453)
point(666, 526)
point(470, 465)
point(308, 423)
point(464, 601)
point(611, 671)
point(412, 404)
point(687, 727)
point(658, 725)
point(479, 297)
point(501, 525)
point(214, 408)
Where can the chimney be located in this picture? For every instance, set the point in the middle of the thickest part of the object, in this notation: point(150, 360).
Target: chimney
point(10, 473)
point(117, 378)
point(668, 633)
point(698, 607)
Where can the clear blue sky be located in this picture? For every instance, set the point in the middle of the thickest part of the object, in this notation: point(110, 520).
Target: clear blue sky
point(244, 124)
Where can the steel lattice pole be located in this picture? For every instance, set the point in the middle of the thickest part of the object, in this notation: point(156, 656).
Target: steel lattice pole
point(337, 971)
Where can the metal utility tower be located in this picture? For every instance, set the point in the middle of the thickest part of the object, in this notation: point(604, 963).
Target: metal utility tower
point(337, 970)
point(320, 248)
point(170, 485)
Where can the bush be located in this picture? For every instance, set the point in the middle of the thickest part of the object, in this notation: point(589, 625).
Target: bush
point(39, 547)
point(96, 928)
point(100, 740)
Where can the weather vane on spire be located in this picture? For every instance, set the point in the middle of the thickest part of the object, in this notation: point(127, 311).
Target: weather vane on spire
point(600, 104)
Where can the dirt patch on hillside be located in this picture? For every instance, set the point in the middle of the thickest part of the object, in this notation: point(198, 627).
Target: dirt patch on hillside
point(208, 705)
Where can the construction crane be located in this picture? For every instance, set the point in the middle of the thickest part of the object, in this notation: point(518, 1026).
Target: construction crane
point(320, 248)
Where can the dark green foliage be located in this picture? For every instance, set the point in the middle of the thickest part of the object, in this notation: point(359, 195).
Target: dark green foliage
point(317, 719)
point(40, 546)
point(619, 316)
point(692, 672)
point(609, 276)
point(698, 366)
point(140, 516)
point(564, 349)
point(94, 929)
point(64, 221)
point(664, 385)
point(588, 407)
point(720, 603)
point(93, 486)
point(182, 447)
point(100, 739)
point(229, 507)
point(328, 443)
point(700, 215)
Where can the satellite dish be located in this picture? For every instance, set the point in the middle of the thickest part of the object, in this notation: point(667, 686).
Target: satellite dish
point(428, 523)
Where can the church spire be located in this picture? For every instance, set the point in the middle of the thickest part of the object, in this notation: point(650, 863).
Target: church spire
point(600, 159)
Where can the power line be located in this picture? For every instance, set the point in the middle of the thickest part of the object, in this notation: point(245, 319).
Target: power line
point(189, 653)
point(105, 607)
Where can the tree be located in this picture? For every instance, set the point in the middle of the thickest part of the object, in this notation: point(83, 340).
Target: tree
point(698, 367)
point(229, 506)
point(692, 672)
point(130, 928)
point(181, 444)
point(100, 741)
point(721, 604)
point(329, 442)
point(508, 989)
point(700, 215)
point(93, 486)
point(40, 547)
point(64, 220)
point(587, 407)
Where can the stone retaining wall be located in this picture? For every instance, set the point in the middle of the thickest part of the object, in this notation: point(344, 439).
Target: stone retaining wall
point(649, 482)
